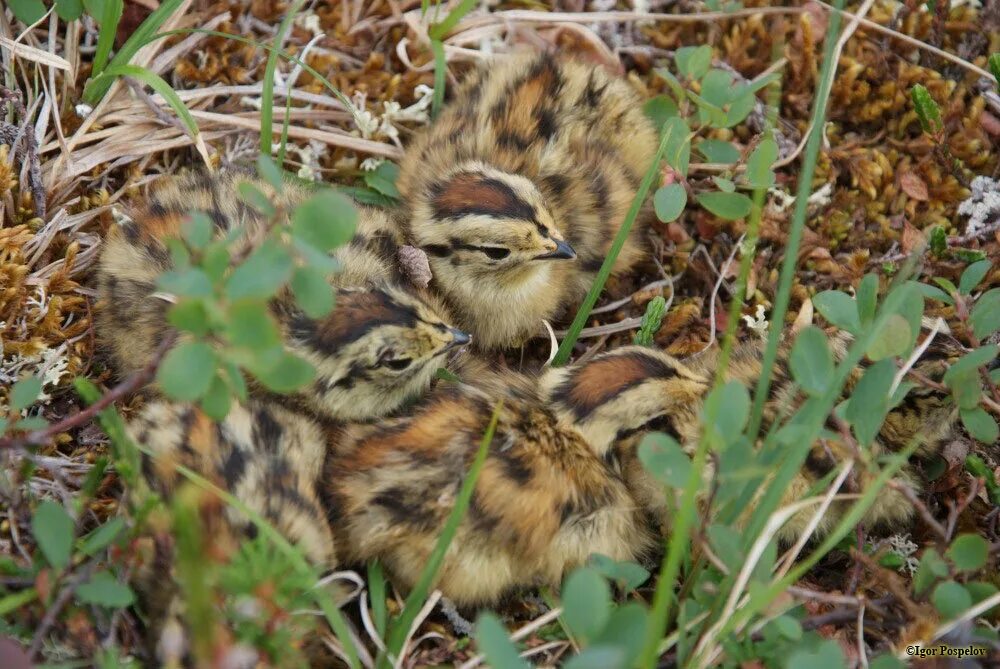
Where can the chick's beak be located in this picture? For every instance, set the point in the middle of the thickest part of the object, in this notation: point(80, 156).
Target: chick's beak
point(459, 338)
point(563, 252)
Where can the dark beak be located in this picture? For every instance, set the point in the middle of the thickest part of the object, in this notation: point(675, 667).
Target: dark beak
point(563, 252)
point(459, 338)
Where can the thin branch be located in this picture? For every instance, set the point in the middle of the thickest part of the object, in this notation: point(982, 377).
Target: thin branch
point(126, 387)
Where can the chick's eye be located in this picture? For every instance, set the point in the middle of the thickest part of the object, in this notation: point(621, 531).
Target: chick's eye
point(495, 252)
point(398, 364)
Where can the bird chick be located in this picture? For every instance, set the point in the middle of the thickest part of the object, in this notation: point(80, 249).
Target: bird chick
point(616, 398)
point(379, 347)
point(543, 503)
point(518, 188)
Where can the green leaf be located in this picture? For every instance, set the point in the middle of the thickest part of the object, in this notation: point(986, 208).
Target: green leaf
point(938, 240)
point(326, 220)
point(726, 411)
point(678, 150)
point(971, 362)
point(598, 657)
point(869, 402)
point(105, 590)
point(383, 179)
point(669, 202)
point(968, 552)
point(586, 601)
point(932, 567)
point(680, 92)
point(154, 81)
point(980, 590)
point(927, 110)
point(727, 544)
point(186, 371)
point(659, 108)
point(264, 272)
point(891, 339)
point(312, 292)
point(966, 389)
point(270, 172)
point(663, 457)
point(811, 362)
point(628, 574)
point(934, 293)
point(289, 373)
point(994, 64)
point(951, 599)
point(25, 392)
point(867, 298)
point(256, 198)
point(625, 630)
point(980, 425)
point(759, 173)
point(27, 11)
point(973, 275)
point(839, 309)
point(886, 661)
point(651, 321)
point(53, 531)
point(69, 10)
point(250, 325)
point(728, 206)
point(191, 282)
point(217, 400)
point(197, 230)
point(101, 537)
point(826, 655)
point(693, 62)
point(788, 627)
point(494, 642)
point(189, 316)
point(718, 151)
point(215, 261)
point(32, 423)
point(725, 185)
point(985, 315)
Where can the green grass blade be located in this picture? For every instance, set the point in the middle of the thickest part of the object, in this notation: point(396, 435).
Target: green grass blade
point(267, 47)
point(439, 31)
point(158, 84)
point(399, 628)
point(440, 68)
point(110, 17)
point(267, 92)
point(95, 90)
point(803, 191)
point(566, 347)
point(376, 595)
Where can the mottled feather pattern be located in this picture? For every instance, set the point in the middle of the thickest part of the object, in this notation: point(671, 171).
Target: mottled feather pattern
point(535, 161)
point(514, 193)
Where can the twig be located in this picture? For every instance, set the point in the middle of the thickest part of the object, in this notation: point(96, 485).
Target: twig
point(54, 609)
point(30, 152)
point(126, 387)
point(921, 508)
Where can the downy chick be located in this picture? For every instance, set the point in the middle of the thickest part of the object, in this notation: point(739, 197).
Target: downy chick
point(616, 398)
point(518, 188)
point(379, 347)
point(543, 503)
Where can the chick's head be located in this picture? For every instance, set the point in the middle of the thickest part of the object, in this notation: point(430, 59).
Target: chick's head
point(377, 350)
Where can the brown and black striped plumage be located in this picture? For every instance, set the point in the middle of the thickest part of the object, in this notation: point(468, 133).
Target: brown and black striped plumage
point(617, 397)
point(379, 348)
point(517, 189)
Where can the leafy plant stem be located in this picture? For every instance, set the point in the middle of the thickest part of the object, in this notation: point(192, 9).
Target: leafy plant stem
point(267, 92)
point(566, 347)
point(798, 221)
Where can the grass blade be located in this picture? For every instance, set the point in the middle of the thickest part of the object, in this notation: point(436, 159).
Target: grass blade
point(267, 93)
point(158, 84)
point(399, 627)
point(110, 17)
point(95, 89)
point(566, 347)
